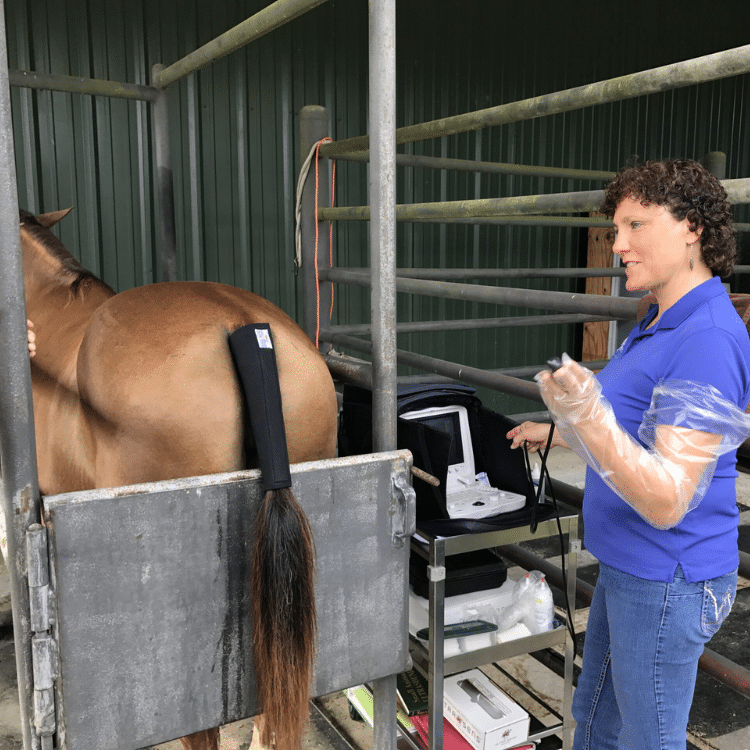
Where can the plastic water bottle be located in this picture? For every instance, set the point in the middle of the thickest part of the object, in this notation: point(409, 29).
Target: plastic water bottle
point(521, 585)
point(544, 611)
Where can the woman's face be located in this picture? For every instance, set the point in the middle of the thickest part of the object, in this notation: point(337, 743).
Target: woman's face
point(654, 246)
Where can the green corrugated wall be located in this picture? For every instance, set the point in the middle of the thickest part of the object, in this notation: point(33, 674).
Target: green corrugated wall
point(234, 130)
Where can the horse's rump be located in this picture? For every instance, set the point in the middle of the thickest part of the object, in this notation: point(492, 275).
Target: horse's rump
point(156, 373)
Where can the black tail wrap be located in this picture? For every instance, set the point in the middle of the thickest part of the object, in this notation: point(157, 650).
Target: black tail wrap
point(255, 360)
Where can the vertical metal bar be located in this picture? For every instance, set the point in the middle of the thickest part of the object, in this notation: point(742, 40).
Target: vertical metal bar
point(382, 121)
point(17, 444)
point(165, 183)
point(716, 163)
point(382, 127)
point(436, 669)
point(313, 128)
point(567, 707)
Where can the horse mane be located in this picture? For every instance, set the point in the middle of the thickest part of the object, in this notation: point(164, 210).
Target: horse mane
point(71, 269)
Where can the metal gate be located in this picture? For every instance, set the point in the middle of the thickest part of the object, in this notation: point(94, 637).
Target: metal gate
point(150, 594)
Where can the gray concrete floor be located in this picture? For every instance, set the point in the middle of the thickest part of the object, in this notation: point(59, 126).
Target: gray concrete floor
point(720, 719)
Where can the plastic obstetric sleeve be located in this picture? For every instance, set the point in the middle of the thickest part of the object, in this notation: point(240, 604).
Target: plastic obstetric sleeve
point(685, 430)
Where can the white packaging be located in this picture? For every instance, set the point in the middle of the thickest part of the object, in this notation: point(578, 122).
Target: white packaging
point(482, 714)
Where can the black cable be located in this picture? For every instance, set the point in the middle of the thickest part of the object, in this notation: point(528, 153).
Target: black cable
point(544, 474)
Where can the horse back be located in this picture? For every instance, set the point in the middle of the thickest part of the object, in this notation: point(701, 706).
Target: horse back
point(162, 395)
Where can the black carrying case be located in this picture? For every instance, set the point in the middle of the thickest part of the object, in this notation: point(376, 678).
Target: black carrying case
point(505, 468)
point(464, 573)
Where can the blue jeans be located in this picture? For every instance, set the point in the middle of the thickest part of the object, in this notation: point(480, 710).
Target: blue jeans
point(640, 660)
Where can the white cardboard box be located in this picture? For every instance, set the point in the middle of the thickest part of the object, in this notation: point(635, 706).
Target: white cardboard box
point(482, 713)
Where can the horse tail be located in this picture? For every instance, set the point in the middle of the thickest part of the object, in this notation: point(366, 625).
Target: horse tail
point(283, 558)
point(284, 615)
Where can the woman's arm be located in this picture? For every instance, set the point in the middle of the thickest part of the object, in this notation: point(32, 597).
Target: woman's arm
point(661, 483)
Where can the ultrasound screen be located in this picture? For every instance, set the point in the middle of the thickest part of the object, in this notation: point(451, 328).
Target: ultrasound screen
point(449, 424)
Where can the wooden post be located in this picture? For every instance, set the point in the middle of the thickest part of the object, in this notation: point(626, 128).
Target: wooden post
point(596, 335)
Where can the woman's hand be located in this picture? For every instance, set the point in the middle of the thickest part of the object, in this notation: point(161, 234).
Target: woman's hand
point(32, 338)
point(571, 393)
point(534, 436)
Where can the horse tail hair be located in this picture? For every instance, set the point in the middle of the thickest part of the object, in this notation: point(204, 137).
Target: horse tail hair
point(284, 617)
point(283, 556)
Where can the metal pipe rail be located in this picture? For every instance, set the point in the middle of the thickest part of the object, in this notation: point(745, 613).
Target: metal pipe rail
point(91, 86)
point(266, 20)
point(620, 308)
point(537, 221)
point(519, 220)
point(727, 672)
point(738, 192)
point(486, 167)
point(438, 274)
point(699, 70)
point(364, 329)
point(464, 373)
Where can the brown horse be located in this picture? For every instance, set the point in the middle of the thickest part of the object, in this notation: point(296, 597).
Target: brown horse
point(140, 386)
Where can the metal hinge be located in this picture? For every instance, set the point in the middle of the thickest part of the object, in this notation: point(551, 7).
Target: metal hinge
point(405, 511)
point(43, 646)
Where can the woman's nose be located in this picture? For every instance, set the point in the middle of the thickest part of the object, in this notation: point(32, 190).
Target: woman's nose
point(619, 245)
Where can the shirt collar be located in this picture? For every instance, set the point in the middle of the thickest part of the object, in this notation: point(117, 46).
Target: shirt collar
point(684, 307)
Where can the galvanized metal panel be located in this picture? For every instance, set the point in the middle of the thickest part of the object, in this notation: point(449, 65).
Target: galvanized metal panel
point(153, 602)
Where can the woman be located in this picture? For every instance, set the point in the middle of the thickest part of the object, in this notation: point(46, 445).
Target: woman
point(658, 428)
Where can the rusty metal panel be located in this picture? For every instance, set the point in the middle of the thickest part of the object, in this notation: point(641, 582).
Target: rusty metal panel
point(153, 605)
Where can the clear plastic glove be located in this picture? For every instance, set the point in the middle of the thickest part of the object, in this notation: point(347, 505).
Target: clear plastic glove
point(670, 475)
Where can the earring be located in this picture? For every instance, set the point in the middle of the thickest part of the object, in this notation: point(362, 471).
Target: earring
point(691, 257)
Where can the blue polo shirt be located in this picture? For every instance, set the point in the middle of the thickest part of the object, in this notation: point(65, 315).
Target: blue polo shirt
point(699, 339)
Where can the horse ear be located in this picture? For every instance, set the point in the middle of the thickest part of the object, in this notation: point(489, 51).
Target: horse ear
point(50, 219)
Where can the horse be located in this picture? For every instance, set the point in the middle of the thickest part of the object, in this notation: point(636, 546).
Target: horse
point(140, 386)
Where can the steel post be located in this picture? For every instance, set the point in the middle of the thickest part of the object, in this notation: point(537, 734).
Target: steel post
point(314, 126)
point(716, 163)
point(165, 183)
point(708, 68)
point(382, 126)
point(17, 443)
point(382, 279)
point(268, 19)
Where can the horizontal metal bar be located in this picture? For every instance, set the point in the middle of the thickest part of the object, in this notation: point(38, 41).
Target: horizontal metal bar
point(349, 370)
point(465, 374)
point(576, 202)
point(485, 167)
point(364, 329)
point(688, 73)
point(268, 19)
point(90, 86)
point(727, 672)
point(620, 308)
point(738, 192)
point(534, 221)
point(500, 273)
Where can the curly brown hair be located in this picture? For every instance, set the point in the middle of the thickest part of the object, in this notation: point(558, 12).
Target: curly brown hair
point(689, 191)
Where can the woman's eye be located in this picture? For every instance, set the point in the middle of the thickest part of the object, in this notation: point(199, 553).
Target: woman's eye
point(635, 224)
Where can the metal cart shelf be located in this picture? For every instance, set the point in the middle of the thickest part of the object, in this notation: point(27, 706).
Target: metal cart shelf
point(432, 663)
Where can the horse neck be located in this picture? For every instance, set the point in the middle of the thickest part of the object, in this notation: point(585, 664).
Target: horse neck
point(60, 305)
